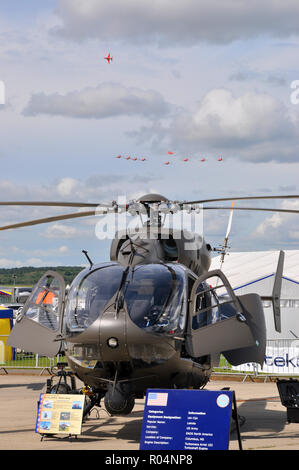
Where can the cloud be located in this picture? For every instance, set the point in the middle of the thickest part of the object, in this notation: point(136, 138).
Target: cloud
point(9, 263)
point(273, 222)
point(253, 126)
point(280, 226)
point(294, 234)
point(58, 230)
point(267, 78)
point(66, 186)
point(40, 252)
point(222, 117)
point(176, 22)
point(104, 101)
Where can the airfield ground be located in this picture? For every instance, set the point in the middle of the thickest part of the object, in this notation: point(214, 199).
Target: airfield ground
point(265, 426)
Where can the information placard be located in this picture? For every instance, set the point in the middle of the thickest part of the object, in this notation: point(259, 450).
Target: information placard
point(186, 419)
point(60, 413)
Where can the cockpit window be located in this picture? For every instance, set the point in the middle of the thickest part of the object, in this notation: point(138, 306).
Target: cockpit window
point(213, 303)
point(89, 295)
point(44, 304)
point(154, 296)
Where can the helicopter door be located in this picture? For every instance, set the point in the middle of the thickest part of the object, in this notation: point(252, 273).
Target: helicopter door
point(38, 327)
point(216, 319)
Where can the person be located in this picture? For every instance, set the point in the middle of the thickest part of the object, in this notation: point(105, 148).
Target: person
point(45, 297)
point(47, 304)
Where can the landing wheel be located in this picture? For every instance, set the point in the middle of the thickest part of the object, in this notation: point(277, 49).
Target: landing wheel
point(123, 407)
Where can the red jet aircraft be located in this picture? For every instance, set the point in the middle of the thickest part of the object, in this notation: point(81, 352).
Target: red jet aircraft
point(108, 58)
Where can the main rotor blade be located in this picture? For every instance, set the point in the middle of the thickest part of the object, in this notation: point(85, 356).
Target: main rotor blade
point(49, 203)
point(240, 198)
point(288, 211)
point(49, 219)
point(97, 212)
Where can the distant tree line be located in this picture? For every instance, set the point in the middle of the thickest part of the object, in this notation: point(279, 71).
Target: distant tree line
point(28, 276)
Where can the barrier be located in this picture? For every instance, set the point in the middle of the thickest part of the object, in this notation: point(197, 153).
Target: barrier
point(27, 360)
point(281, 358)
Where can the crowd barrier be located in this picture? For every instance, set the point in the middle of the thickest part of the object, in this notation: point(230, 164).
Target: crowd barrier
point(11, 358)
point(281, 358)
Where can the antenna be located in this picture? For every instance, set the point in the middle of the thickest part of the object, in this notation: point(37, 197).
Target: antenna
point(89, 260)
point(225, 243)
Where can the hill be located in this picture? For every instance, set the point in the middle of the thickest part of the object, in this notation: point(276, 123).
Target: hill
point(28, 276)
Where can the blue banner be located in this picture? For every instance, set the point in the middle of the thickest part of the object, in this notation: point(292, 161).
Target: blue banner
point(186, 420)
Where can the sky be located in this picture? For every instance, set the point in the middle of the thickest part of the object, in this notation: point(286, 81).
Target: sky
point(200, 78)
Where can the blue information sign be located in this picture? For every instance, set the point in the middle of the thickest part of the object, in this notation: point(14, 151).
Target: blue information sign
point(186, 420)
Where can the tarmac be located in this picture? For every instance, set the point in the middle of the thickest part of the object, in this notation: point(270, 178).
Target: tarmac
point(263, 419)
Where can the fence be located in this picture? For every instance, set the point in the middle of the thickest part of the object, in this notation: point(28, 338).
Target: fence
point(281, 358)
point(11, 358)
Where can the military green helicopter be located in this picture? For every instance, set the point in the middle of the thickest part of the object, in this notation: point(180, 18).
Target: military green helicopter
point(153, 316)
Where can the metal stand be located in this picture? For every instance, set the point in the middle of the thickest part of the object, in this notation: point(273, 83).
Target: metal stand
point(62, 382)
point(47, 369)
point(69, 437)
point(235, 417)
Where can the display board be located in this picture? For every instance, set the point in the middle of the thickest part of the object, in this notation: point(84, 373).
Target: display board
point(186, 419)
point(60, 413)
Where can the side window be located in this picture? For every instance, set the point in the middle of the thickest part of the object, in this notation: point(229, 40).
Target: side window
point(212, 302)
point(43, 305)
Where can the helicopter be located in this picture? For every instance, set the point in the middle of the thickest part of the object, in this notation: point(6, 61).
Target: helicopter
point(153, 316)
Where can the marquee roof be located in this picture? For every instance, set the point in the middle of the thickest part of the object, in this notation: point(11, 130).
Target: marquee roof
point(245, 267)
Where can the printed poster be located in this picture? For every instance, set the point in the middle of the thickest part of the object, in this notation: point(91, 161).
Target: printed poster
point(60, 413)
point(186, 420)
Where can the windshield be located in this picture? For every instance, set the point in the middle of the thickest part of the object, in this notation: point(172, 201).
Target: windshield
point(89, 295)
point(154, 296)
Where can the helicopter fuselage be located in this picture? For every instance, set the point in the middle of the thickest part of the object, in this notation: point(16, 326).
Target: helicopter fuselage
point(138, 338)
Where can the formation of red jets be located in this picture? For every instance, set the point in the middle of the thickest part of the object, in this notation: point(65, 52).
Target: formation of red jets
point(165, 163)
point(110, 58)
point(187, 159)
point(132, 158)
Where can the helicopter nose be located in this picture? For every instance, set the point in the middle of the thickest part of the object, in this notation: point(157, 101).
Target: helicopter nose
point(113, 336)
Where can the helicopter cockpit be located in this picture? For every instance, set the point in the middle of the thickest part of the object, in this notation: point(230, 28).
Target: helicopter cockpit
point(154, 296)
point(43, 305)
